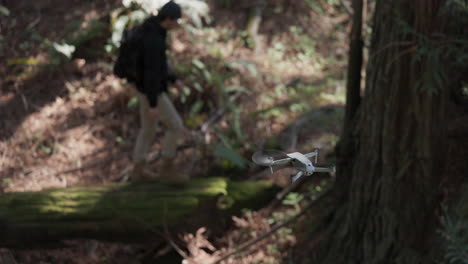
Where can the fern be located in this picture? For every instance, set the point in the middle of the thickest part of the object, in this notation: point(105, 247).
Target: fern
point(455, 232)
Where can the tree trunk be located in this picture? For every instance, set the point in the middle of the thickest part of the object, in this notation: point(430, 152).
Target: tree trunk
point(122, 212)
point(392, 169)
point(253, 25)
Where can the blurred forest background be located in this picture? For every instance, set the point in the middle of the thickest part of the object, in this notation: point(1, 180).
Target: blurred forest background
point(254, 74)
point(62, 109)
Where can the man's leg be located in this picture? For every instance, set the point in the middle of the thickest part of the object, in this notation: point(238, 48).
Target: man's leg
point(145, 135)
point(171, 118)
point(175, 127)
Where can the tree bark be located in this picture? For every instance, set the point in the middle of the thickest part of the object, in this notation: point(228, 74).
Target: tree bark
point(392, 168)
point(122, 212)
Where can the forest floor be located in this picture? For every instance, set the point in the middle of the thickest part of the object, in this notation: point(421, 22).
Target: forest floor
point(75, 123)
point(70, 121)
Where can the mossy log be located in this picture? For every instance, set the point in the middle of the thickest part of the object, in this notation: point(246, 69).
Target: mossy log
point(124, 211)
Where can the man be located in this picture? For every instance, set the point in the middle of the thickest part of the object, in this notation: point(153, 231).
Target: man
point(153, 77)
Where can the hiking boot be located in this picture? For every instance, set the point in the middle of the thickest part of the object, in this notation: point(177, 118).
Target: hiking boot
point(171, 172)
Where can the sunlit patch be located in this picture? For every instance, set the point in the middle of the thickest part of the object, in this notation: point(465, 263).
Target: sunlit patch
point(179, 46)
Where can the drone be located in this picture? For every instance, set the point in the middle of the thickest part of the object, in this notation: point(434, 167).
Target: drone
point(301, 162)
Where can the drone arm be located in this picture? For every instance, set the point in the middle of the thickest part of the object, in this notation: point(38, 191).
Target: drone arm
point(281, 162)
point(311, 154)
point(322, 169)
point(297, 176)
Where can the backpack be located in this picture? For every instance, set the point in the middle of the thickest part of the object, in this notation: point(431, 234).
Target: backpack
point(126, 66)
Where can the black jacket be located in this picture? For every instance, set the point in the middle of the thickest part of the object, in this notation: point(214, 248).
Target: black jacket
point(152, 67)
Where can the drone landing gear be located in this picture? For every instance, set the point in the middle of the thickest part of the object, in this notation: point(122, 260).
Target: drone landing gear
point(296, 176)
point(299, 174)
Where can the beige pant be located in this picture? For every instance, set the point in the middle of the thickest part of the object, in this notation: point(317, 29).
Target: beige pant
point(168, 115)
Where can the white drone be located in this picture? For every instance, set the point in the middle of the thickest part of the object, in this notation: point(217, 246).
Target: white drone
point(299, 161)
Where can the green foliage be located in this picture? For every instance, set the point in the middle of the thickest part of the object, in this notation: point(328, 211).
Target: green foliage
point(228, 154)
point(74, 36)
point(303, 45)
point(315, 190)
point(120, 140)
point(196, 10)
point(133, 103)
point(4, 11)
point(195, 117)
point(432, 54)
point(212, 80)
point(314, 5)
point(46, 148)
point(7, 182)
point(94, 30)
point(296, 97)
point(123, 19)
point(277, 51)
point(23, 61)
point(321, 5)
point(455, 233)
point(279, 216)
point(294, 200)
point(455, 230)
point(242, 64)
point(65, 49)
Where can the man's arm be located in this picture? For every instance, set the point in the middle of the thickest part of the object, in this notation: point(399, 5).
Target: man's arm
point(152, 68)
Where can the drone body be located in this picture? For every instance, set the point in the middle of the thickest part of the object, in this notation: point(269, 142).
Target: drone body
point(299, 161)
point(302, 163)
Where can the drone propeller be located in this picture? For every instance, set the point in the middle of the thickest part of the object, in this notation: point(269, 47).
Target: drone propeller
point(268, 157)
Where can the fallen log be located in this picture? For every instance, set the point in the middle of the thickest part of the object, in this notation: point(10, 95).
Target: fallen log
point(123, 211)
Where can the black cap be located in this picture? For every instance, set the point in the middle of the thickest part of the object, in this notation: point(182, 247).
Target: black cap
point(170, 10)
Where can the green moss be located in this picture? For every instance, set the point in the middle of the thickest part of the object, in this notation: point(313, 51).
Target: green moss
point(251, 195)
point(245, 190)
point(67, 211)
